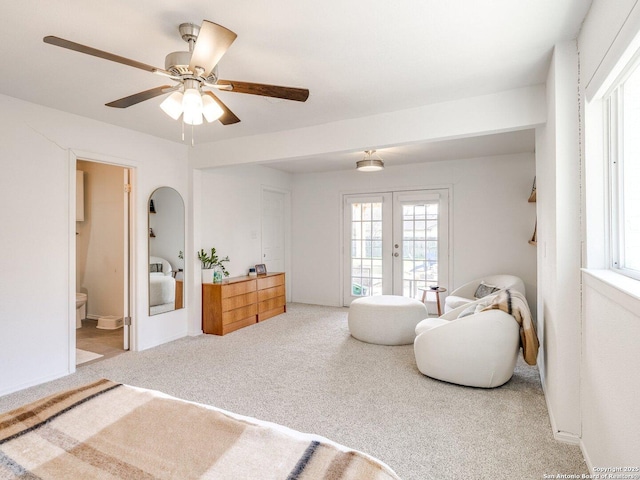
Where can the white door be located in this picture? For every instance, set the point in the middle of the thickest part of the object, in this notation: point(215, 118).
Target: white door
point(273, 230)
point(127, 261)
point(420, 241)
point(395, 243)
point(367, 246)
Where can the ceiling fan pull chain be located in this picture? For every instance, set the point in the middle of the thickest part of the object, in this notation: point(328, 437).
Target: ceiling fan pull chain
point(192, 135)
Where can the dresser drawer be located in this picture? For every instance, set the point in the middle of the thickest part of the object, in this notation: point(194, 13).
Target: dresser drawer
point(239, 314)
point(268, 293)
point(269, 282)
point(238, 288)
point(271, 304)
point(231, 303)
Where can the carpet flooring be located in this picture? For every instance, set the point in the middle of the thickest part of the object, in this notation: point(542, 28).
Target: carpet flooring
point(302, 369)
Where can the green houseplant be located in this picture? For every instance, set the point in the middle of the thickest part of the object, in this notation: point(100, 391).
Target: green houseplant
point(212, 266)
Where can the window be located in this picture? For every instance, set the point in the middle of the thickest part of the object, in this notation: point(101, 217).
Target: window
point(624, 153)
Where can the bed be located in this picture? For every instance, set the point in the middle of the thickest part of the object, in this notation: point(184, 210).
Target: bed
point(162, 286)
point(110, 430)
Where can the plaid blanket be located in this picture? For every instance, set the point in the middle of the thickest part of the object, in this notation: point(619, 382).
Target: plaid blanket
point(515, 304)
point(108, 430)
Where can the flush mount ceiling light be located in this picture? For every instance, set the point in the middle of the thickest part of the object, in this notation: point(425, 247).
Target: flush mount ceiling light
point(368, 163)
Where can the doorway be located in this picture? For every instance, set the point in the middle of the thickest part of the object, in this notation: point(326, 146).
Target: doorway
point(102, 260)
point(395, 243)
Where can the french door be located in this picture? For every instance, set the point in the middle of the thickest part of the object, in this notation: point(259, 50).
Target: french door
point(396, 243)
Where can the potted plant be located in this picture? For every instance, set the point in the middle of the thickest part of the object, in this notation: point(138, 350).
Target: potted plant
point(212, 266)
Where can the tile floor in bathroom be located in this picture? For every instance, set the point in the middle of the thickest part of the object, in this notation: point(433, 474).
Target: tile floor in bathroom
point(105, 342)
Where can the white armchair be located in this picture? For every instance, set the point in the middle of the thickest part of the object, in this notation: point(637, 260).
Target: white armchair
point(478, 350)
point(465, 293)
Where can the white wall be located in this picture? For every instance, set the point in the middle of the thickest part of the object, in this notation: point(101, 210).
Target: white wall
point(490, 219)
point(38, 148)
point(230, 214)
point(99, 245)
point(510, 110)
point(559, 244)
point(610, 310)
point(611, 362)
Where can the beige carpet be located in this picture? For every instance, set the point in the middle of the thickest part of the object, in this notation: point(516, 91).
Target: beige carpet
point(303, 370)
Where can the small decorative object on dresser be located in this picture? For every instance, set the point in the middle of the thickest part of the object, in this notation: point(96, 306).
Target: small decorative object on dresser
point(261, 269)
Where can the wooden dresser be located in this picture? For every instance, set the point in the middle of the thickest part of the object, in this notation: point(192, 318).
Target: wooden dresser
point(241, 301)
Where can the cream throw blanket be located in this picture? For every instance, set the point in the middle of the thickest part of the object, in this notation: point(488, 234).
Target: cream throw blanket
point(107, 430)
point(514, 303)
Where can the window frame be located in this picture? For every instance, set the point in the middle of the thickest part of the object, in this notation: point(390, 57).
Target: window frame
point(614, 136)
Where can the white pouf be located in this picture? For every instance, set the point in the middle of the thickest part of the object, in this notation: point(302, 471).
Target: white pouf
point(386, 319)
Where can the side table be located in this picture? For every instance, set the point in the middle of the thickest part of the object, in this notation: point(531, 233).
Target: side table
point(437, 291)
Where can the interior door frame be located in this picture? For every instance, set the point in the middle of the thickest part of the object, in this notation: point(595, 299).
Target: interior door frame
point(393, 190)
point(129, 300)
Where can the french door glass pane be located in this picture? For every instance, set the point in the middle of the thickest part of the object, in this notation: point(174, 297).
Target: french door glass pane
point(419, 247)
point(366, 249)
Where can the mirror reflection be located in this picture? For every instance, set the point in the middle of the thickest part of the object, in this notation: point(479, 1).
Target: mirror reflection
point(166, 247)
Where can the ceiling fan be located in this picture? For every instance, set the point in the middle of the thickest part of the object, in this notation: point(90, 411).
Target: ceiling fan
point(195, 72)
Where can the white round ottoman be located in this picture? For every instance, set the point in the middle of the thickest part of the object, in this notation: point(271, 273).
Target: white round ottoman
point(386, 319)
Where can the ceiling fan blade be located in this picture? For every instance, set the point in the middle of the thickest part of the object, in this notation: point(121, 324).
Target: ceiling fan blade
point(61, 42)
point(142, 96)
point(288, 93)
point(228, 117)
point(213, 42)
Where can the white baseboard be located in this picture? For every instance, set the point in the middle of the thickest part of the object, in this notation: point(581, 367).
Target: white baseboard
point(33, 383)
point(161, 342)
point(559, 435)
point(585, 455)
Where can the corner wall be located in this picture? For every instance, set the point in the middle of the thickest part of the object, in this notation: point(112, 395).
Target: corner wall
point(231, 213)
point(611, 305)
point(559, 245)
point(38, 148)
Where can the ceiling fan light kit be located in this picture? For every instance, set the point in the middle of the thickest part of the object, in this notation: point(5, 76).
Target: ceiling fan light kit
point(172, 105)
point(210, 109)
point(370, 164)
point(192, 71)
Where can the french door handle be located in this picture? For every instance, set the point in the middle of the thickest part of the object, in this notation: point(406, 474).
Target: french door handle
point(396, 254)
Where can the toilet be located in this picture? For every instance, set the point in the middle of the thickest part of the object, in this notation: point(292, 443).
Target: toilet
point(81, 308)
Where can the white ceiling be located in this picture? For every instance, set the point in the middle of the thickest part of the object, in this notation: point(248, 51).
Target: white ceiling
point(356, 57)
point(522, 141)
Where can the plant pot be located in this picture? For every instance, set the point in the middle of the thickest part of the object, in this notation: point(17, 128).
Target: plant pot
point(207, 275)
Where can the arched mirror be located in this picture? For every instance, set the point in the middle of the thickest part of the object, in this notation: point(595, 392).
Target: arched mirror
point(166, 251)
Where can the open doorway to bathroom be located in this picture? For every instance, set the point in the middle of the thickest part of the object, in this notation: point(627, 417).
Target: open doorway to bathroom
point(102, 252)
